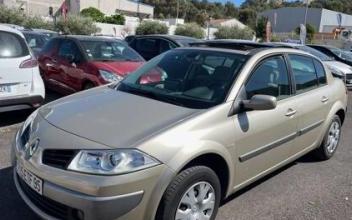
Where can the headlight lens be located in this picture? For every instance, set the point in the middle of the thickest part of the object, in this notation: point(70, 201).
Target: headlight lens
point(111, 162)
point(109, 76)
point(29, 120)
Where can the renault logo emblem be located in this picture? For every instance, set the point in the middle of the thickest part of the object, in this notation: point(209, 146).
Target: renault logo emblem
point(30, 148)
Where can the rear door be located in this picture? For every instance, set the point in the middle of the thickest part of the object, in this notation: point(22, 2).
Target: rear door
point(313, 99)
point(14, 80)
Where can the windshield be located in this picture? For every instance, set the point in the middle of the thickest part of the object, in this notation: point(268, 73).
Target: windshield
point(342, 54)
point(99, 50)
point(186, 77)
point(315, 52)
point(12, 45)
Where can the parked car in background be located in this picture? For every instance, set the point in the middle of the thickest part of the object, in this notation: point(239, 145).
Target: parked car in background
point(73, 63)
point(149, 46)
point(338, 68)
point(21, 86)
point(35, 40)
point(216, 121)
point(334, 52)
point(48, 33)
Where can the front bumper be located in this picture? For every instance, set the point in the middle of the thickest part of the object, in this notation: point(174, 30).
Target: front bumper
point(129, 196)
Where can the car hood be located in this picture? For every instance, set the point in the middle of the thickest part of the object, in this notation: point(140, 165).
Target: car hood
point(113, 118)
point(122, 68)
point(340, 66)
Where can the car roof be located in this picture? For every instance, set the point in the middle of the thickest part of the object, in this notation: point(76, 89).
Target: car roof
point(166, 36)
point(245, 45)
point(285, 44)
point(87, 37)
point(324, 46)
point(10, 29)
point(33, 32)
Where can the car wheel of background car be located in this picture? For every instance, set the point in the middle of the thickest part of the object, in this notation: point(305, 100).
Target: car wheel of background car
point(193, 194)
point(88, 85)
point(331, 140)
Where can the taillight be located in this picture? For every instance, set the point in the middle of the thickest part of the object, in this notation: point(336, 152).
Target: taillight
point(30, 63)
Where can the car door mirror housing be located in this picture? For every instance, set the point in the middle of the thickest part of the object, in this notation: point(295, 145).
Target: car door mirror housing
point(260, 102)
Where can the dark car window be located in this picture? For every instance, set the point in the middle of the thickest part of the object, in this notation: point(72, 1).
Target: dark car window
point(179, 77)
point(147, 47)
point(12, 45)
point(109, 51)
point(319, 68)
point(36, 40)
point(304, 73)
point(270, 78)
point(69, 48)
point(165, 45)
point(50, 46)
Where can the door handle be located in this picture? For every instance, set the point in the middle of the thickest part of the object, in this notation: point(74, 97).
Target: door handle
point(324, 99)
point(290, 112)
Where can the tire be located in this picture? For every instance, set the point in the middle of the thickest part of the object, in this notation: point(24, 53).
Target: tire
point(88, 85)
point(331, 140)
point(200, 180)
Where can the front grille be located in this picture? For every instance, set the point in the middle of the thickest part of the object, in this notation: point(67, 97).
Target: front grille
point(58, 158)
point(49, 206)
point(349, 76)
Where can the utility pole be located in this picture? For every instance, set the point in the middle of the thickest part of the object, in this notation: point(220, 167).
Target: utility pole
point(177, 11)
point(306, 13)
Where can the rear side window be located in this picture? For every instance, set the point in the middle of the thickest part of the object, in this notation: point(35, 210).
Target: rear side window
point(304, 73)
point(320, 72)
point(12, 45)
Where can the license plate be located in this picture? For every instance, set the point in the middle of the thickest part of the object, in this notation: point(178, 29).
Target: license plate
point(5, 89)
point(30, 179)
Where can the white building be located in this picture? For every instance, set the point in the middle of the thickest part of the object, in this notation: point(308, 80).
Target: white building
point(110, 7)
point(227, 23)
point(34, 7)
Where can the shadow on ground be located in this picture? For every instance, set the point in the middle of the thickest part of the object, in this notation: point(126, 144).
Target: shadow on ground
point(11, 204)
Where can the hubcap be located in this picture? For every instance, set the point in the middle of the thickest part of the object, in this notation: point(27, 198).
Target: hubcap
point(197, 203)
point(333, 137)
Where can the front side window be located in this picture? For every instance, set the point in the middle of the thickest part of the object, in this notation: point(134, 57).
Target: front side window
point(304, 73)
point(270, 78)
point(68, 49)
point(186, 77)
point(12, 45)
point(108, 50)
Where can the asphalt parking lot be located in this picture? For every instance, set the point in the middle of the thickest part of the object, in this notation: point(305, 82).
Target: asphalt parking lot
point(305, 189)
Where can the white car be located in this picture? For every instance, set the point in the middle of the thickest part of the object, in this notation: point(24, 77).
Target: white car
point(21, 85)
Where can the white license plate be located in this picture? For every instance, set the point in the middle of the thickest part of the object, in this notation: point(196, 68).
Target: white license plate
point(32, 180)
point(5, 89)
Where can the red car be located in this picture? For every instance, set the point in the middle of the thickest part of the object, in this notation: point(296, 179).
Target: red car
point(73, 63)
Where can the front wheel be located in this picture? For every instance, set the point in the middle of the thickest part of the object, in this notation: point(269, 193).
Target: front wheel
point(331, 140)
point(193, 194)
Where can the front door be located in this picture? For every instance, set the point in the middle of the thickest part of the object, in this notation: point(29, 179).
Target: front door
point(263, 139)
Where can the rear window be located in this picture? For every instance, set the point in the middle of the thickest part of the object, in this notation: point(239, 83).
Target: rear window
point(12, 45)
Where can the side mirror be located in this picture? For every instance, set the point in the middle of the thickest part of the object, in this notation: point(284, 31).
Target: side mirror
point(260, 102)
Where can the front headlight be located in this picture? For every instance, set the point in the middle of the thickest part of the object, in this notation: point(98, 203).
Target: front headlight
point(109, 76)
point(335, 71)
point(111, 162)
point(29, 120)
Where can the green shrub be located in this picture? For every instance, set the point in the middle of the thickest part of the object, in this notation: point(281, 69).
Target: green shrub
point(93, 13)
point(38, 22)
point(76, 25)
point(151, 27)
point(11, 15)
point(310, 32)
point(190, 30)
point(234, 33)
point(114, 19)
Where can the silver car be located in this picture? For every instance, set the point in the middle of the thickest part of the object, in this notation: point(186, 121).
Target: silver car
point(170, 141)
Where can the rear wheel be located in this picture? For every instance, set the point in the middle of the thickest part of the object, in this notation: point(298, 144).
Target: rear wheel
point(331, 140)
point(193, 194)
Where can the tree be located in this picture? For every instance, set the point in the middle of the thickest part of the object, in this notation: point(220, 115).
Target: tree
point(310, 32)
point(151, 27)
point(93, 13)
point(190, 30)
point(234, 33)
point(114, 19)
point(11, 15)
point(248, 16)
point(76, 25)
point(260, 30)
